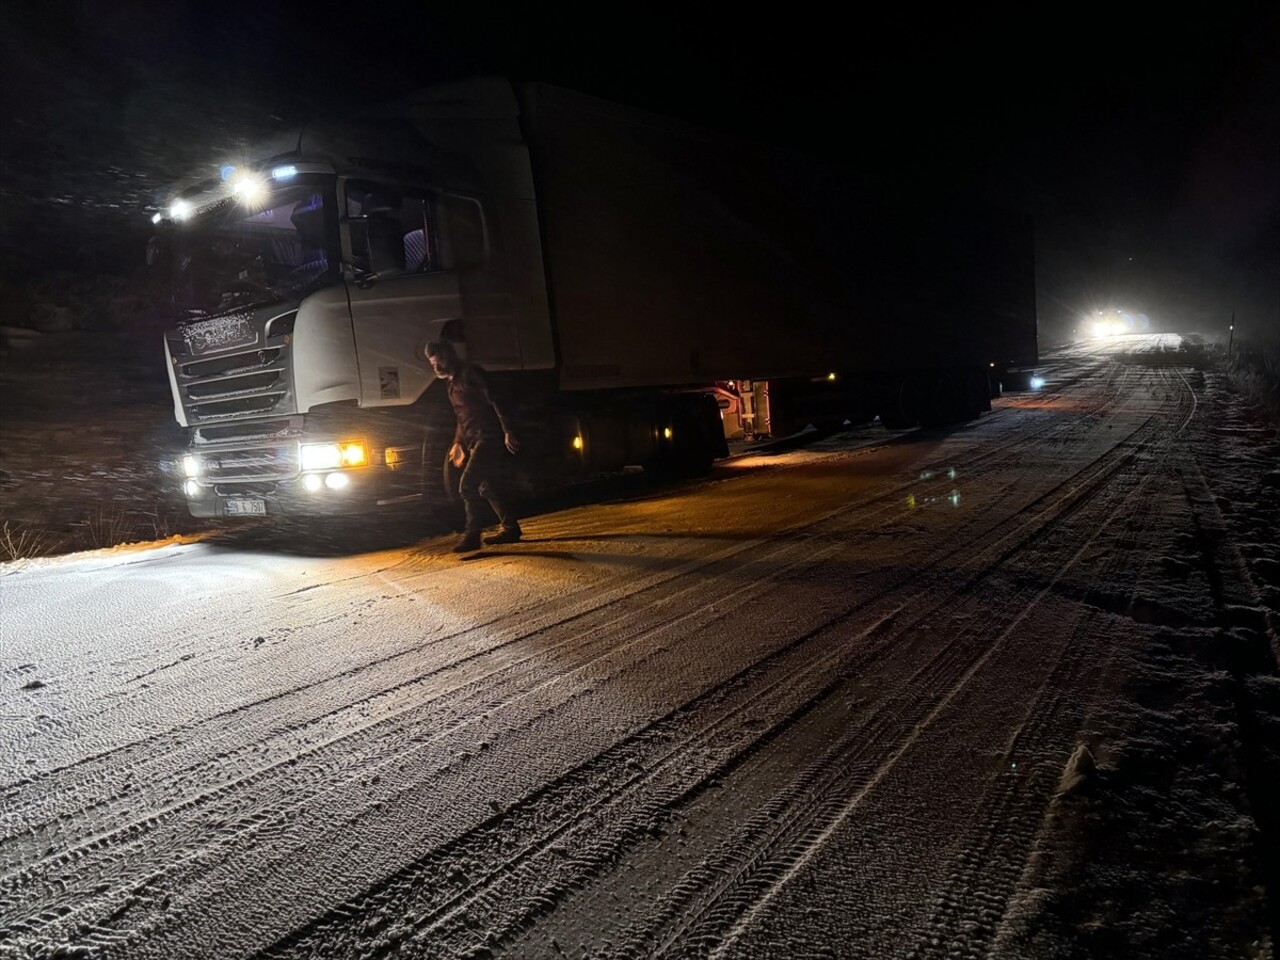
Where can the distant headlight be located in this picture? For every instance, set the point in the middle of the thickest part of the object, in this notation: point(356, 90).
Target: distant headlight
point(330, 456)
point(1108, 328)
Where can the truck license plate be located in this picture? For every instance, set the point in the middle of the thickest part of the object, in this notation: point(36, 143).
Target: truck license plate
point(247, 508)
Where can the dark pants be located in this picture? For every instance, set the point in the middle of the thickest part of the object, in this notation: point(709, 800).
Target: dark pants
point(483, 479)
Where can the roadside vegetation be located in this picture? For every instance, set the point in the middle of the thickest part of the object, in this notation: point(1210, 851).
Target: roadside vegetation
point(87, 437)
point(1254, 365)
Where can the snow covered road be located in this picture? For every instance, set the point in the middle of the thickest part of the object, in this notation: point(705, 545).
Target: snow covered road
point(1007, 691)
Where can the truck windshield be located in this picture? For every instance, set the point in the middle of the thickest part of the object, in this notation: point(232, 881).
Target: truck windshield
point(282, 249)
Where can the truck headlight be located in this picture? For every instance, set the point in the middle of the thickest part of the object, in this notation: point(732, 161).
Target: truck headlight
point(191, 488)
point(319, 456)
point(331, 456)
point(191, 465)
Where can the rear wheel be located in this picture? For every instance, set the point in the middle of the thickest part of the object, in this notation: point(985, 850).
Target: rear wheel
point(900, 403)
point(979, 390)
point(994, 386)
point(946, 400)
point(689, 436)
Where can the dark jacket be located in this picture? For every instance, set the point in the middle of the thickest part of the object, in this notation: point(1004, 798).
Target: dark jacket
point(479, 416)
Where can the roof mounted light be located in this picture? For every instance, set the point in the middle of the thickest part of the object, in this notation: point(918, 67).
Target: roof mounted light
point(287, 172)
point(250, 188)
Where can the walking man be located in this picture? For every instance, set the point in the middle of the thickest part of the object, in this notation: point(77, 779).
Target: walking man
point(482, 434)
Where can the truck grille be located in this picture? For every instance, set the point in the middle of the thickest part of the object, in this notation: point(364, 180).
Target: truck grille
point(251, 451)
point(232, 367)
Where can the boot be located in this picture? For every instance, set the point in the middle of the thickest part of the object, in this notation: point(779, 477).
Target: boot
point(469, 543)
point(508, 534)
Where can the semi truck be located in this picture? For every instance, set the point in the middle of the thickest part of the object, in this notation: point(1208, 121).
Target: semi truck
point(639, 289)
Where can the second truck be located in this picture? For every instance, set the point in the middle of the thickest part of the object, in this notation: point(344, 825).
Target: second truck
point(639, 289)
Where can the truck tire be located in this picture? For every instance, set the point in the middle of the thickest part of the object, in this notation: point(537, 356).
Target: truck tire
point(697, 436)
point(979, 391)
point(994, 386)
point(946, 400)
point(900, 403)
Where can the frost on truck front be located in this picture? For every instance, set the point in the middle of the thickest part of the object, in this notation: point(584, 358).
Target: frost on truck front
point(263, 367)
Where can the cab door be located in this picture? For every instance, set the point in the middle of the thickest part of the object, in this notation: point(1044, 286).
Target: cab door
point(471, 242)
point(400, 294)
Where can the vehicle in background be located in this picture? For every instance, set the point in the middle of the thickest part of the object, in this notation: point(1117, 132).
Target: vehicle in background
point(639, 289)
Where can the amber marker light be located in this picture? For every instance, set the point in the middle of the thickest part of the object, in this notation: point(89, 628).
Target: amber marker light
point(354, 454)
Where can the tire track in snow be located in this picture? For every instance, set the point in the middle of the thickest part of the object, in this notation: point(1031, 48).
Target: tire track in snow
point(113, 755)
point(648, 947)
point(694, 740)
point(346, 910)
point(743, 885)
point(972, 903)
point(249, 824)
point(236, 725)
point(743, 548)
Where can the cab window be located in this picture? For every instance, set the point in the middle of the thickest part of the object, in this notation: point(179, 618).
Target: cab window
point(393, 230)
point(402, 230)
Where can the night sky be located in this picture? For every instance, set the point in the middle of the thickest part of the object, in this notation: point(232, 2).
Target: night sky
point(1146, 149)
